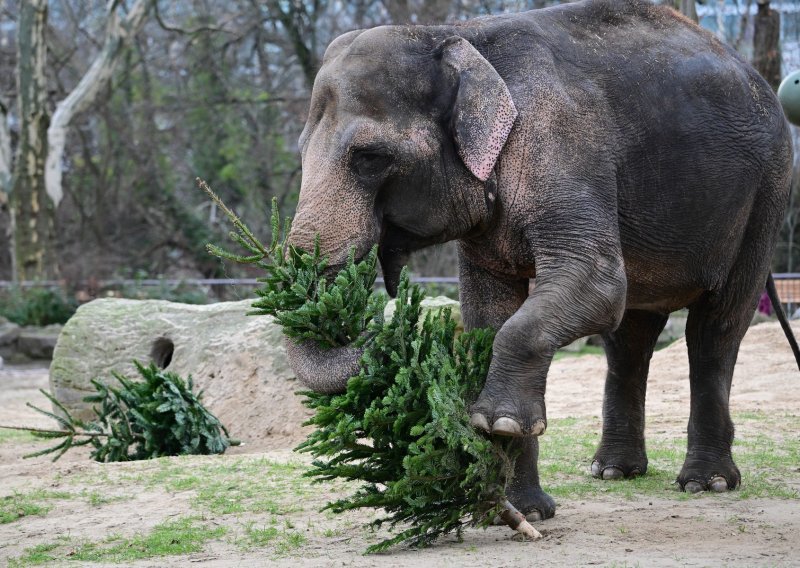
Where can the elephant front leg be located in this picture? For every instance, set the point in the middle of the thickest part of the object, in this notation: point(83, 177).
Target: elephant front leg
point(488, 301)
point(567, 303)
point(524, 491)
point(621, 452)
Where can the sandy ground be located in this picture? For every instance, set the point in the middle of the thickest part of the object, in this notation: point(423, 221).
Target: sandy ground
point(607, 531)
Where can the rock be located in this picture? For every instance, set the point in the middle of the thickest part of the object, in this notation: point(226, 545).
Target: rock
point(38, 342)
point(9, 331)
point(238, 361)
point(429, 304)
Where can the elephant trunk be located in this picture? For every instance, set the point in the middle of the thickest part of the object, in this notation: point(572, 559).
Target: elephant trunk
point(324, 371)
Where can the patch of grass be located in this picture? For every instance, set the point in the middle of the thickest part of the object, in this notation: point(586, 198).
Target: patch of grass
point(16, 437)
point(768, 463)
point(181, 536)
point(18, 505)
point(39, 554)
point(258, 537)
point(290, 541)
point(242, 486)
point(98, 499)
point(585, 350)
point(224, 486)
point(282, 541)
point(37, 502)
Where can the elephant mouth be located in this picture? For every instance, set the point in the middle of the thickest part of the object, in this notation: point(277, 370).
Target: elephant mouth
point(394, 250)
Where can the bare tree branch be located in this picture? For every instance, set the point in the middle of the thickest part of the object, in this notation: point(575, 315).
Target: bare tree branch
point(179, 30)
point(119, 33)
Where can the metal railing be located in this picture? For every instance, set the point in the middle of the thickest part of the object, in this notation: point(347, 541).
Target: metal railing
point(789, 282)
point(7, 284)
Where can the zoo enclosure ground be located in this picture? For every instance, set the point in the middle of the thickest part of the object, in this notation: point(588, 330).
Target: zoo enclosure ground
point(252, 506)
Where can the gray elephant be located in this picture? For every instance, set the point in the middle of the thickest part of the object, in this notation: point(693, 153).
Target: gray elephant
point(612, 150)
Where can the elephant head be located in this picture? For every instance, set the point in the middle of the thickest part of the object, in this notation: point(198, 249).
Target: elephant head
point(404, 130)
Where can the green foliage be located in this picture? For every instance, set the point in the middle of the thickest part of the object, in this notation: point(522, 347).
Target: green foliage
point(157, 416)
point(424, 464)
point(36, 306)
point(295, 289)
point(402, 426)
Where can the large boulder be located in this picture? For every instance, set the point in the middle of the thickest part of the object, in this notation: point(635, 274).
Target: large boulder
point(238, 361)
point(429, 304)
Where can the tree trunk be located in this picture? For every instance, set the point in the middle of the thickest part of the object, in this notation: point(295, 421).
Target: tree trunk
point(117, 37)
point(686, 7)
point(766, 43)
point(32, 211)
point(5, 155)
point(6, 179)
point(299, 25)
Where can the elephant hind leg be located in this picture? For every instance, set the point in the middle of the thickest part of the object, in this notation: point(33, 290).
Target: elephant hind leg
point(714, 331)
point(717, 322)
point(621, 453)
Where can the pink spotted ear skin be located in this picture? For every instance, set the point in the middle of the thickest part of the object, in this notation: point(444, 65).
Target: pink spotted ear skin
point(483, 113)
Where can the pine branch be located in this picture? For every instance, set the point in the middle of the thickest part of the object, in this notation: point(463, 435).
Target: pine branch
point(295, 291)
point(57, 433)
point(159, 416)
point(426, 468)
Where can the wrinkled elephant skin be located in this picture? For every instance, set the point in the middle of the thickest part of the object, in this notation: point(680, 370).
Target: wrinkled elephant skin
point(612, 150)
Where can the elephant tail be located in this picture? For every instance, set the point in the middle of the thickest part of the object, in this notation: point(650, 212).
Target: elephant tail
point(776, 304)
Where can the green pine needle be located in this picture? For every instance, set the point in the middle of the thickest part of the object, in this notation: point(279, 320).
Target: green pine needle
point(295, 291)
point(402, 426)
point(157, 416)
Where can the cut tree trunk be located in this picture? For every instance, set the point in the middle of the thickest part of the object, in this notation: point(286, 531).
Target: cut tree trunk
point(32, 210)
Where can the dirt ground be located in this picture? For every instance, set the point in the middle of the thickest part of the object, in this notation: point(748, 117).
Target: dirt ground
point(718, 530)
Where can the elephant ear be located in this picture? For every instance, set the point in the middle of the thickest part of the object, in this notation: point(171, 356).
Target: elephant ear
point(483, 112)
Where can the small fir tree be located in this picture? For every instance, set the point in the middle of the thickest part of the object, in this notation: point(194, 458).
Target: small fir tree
point(402, 426)
point(160, 415)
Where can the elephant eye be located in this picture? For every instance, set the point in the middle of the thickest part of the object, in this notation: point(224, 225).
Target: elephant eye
point(370, 163)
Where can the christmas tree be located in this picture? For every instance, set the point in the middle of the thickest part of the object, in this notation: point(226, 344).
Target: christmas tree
point(158, 415)
point(402, 426)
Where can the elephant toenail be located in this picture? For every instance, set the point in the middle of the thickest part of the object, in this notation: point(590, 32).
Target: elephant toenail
point(693, 487)
point(479, 421)
point(718, 484)
point(613, 473)
point(596, 469)
point(538, 428)
point(533, 517)
point(505, 426)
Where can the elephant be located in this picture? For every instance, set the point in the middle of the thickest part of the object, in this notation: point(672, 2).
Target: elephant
point(612, 151)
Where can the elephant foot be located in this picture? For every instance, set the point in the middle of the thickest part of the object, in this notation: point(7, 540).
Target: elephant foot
point(507, 415)
point(697, 476)
point(610, 465)
point(534, 503)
